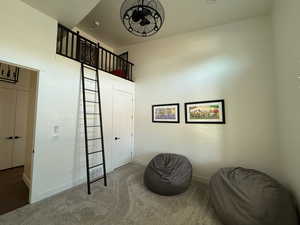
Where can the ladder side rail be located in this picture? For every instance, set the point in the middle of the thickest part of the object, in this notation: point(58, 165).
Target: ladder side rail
point(100, 118)
point(85, 130)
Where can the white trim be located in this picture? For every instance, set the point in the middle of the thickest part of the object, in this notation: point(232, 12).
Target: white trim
point(27, 181)
point(201, 179)
point(62, 188)
point(140, 162)
point(58, 190)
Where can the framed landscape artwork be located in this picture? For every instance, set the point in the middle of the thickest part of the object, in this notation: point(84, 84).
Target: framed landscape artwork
point(168, 113)
point(205, 112)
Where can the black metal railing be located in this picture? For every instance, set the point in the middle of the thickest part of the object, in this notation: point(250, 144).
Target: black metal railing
point(9, 73)
point(74, 46)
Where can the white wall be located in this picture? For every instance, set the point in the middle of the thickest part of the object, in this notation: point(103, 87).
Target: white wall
point(29, 39)
point(286, 19)
point(233, 62)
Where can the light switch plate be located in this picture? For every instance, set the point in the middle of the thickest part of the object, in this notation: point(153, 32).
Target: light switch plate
point(56, 130)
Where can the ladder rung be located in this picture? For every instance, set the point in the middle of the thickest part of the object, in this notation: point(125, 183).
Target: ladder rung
point(93, 139)
point(86, 89)
point(97, 179)
point(100, 164)
point(90, 79)
point(91, 153)
point(93, 126)
point(92, 101)
point(92, 113)
point(87, 67)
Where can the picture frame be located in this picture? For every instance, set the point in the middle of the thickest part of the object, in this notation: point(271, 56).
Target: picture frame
point(166, 113)
point(205, 112)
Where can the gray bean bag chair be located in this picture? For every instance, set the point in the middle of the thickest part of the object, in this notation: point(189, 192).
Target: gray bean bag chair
point(168, 174)
point(248, 197)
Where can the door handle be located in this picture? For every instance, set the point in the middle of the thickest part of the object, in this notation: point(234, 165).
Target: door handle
point(9, 138)
point(17, 137)
point(117, 138)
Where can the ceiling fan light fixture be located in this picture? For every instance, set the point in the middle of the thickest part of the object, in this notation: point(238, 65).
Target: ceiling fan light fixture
point(142, 18)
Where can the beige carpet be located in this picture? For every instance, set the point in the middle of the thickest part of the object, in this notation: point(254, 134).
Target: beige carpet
point(124, 202)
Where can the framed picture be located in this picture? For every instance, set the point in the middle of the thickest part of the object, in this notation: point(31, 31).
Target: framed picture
point(205, 112)
point(168, 113)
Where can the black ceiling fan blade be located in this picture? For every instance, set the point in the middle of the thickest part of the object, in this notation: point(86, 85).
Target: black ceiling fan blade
point(146, 12)
point(144, 22)
point(136, 16)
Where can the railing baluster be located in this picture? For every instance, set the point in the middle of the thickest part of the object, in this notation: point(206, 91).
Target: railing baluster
point(90, 47)
point(106, 61)
point(85, 52)
point(78, 46)
point(57, 39)
point(130, 78)
point(98, 55)
point(61, 40)
point(102, 56)
point(67, 44)
point(109, 68)
point(72, 49)
point(114, 62)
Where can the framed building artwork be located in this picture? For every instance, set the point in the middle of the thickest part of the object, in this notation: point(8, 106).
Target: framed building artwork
point(205, 112)
point(168, 113)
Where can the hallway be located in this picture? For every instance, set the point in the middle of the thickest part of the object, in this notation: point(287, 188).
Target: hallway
point(13, 191)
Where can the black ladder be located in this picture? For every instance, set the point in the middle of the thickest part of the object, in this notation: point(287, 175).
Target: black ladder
point(91, 140)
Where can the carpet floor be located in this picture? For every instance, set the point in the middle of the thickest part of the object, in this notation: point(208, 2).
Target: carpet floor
point(124, 202)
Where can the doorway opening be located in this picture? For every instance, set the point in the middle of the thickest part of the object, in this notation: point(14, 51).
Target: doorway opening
point(18, 91)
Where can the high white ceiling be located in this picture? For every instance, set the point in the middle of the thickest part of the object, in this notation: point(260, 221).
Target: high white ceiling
point(67, 12)
point(181, 16)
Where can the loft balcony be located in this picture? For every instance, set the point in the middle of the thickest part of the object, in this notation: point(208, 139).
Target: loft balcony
point(72, 45)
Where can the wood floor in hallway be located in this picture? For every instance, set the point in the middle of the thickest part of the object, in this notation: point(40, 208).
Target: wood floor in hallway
point(13, 191)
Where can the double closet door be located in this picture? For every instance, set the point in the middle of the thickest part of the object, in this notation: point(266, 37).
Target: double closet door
point(13, 126)
point(117, 101)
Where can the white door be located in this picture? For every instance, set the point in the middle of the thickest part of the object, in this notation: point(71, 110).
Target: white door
point(122, 128)
point(22, 105)
point(7, 125)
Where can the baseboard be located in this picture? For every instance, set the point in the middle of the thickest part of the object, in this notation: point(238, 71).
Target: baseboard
point(54, 191)
point(27, 181)
point(62, 188)
point(201, 179)
point(139, 162)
